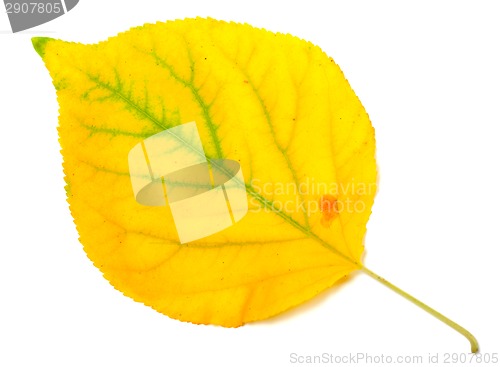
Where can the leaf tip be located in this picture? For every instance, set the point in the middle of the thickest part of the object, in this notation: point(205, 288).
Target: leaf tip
point(39, 43)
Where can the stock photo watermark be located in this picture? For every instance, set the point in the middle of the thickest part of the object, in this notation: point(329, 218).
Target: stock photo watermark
point(311, 196)
point(399, 359)
point(28, 14)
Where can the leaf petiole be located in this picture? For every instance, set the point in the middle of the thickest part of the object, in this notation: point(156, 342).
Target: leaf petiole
point(473, 341)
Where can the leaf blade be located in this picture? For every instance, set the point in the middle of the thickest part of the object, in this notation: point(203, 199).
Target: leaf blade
point(224, 76)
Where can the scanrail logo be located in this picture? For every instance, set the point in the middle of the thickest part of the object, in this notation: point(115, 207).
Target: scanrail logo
point(28, 14)
point(170, 168)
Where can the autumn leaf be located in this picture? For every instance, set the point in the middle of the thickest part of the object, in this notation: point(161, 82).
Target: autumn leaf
point(275, 104)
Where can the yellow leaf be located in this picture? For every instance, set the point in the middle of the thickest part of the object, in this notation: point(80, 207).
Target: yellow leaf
point(272, 102)
point(280, 116)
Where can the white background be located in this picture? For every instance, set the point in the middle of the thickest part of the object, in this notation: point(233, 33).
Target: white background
point(428, 75)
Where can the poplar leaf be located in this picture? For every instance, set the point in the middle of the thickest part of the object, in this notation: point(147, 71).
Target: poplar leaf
point(275, 104)
point(219, 173)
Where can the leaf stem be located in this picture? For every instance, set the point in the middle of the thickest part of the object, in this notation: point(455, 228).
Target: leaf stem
point(473, 342)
